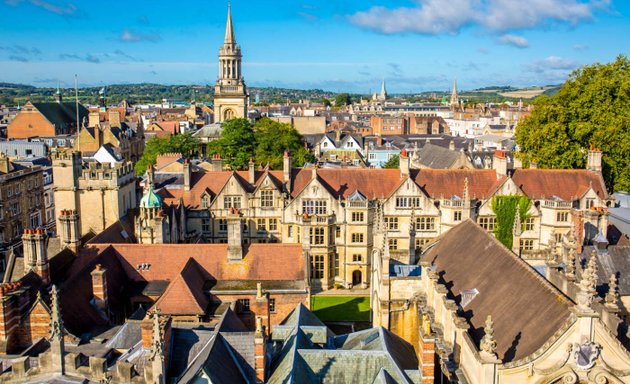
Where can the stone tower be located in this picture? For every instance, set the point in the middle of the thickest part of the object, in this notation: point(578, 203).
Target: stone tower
point(230, 92)
point(151, 224)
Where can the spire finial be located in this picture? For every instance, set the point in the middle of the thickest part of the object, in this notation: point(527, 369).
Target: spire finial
point(516, 230)
point(56, 326)
point(229, 29)
point(587, 286)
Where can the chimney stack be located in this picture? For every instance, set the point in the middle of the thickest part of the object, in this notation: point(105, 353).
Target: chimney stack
point(252, 173)
point(187, 174)
point(217, 163)
point(99, 288)
point(114, 118)
point(36, 253)
point(235, 246)
point(594, 161)
point(260, 350)
point(286, 170)
point(94, 119)
point(69, 232)
point(404, 164)
point(499, 163)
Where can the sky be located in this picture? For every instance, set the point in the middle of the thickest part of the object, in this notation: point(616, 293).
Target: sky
point(340, 45)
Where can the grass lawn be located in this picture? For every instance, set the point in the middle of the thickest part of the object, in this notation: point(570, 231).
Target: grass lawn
point(341, 308)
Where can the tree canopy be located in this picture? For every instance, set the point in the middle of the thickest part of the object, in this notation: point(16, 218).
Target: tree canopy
point(591, 108)
point(264, 142)
point(185, 144)
point(393, 162)
point(342, 99)
point(236, 144)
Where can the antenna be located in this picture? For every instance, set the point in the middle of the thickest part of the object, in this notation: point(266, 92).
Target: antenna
point(76, 99)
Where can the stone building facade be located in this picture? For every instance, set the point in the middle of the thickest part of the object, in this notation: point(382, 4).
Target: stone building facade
point(417, 206)
point(100, 193)
point(21, 204)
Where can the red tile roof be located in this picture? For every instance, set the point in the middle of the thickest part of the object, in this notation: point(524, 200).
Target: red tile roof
point(437, 183)
point(341, 182)
point(213, 182)
point(381, 183)
point(567, 184)
point(260, 261)
point(184, 295)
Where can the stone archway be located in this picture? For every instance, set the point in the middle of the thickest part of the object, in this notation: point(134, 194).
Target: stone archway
point(357, 278)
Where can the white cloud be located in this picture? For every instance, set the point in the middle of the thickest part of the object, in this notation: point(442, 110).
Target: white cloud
point(580, 47)
point(517, 41)
point(553, 63)
point(433, 17)
point(130, 36)
point(428, 17)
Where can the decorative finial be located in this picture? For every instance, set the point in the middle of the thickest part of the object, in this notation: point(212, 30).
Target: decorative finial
point(157, 342)
point(612, 297)
point(488, 344)
point(516, 230)
point(56, 326)
point(587, 288)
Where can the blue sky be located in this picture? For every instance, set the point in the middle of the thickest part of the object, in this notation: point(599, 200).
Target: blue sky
point(341, 45)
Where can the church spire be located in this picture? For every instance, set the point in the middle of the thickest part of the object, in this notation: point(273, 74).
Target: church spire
point(229, 29)
point(454, 97)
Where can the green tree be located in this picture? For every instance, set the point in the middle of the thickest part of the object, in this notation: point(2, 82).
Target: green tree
point(342, 99)
point(185, 144)
point(393, 162)
point(273, 138)
point(236, 144)
point(504, 208)
point(326, 102)
point(591, 108)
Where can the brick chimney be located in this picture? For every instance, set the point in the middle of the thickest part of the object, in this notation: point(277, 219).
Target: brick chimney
point(234, 232)
point(70, 234)
point(594, 161)
point(99, 287)
point(187, 174)
point(10, 308)
point(286, 170)
point(260, 350)
point(426, 351)
point(217, 163)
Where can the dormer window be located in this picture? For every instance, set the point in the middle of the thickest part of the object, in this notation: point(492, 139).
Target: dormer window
point(205, 201)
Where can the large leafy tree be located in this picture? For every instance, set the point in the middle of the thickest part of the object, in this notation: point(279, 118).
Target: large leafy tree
point(591, 108)
point(185, 144)
point(273, 138)
point(264, 142)
point(342, 99)
point(236, 144)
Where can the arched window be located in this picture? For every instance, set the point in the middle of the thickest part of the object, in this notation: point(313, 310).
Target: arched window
point(228, 114)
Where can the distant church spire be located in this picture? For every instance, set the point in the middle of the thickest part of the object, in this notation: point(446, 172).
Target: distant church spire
point(229, 29)
point(454, 98)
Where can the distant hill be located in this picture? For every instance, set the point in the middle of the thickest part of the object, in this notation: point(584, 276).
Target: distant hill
point(13, 94)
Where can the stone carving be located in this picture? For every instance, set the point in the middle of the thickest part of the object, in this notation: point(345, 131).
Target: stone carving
point(585, 355)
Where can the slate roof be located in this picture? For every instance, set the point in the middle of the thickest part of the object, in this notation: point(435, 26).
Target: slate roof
point(368, 356)
point(526, 309)
point(614, 259)
point(437, 157)
point(567, 184)
point(61, 114)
